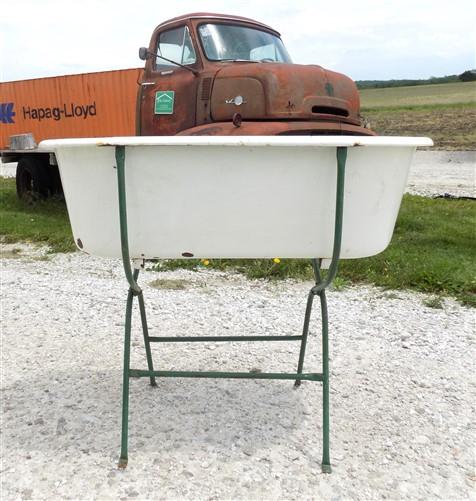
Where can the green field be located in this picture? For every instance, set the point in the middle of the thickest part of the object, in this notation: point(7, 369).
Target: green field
point(444, 112)
point(419, 95)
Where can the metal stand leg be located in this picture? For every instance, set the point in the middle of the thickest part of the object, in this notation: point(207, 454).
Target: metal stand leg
point(305, 332)
point(145, 331)
point(126, 369)
point(125, 381)
point(134, 290)
point(326, 462)
point(317, 290)
point(307, 318)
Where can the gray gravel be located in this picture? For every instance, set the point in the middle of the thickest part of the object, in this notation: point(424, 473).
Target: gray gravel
point(440, 172)
point(402, 390)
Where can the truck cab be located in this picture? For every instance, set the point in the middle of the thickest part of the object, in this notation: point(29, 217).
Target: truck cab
point(235, 77)
point(204, 74)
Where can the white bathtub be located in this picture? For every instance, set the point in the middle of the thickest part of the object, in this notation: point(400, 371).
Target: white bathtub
point(234, 197)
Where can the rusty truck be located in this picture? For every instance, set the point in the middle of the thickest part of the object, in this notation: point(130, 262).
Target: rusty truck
point(204, 74)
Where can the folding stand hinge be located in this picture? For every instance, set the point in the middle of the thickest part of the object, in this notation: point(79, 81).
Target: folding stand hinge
point(325, 264)
point(138, 264)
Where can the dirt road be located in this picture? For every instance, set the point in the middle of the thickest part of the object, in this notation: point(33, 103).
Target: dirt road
point(440, 172)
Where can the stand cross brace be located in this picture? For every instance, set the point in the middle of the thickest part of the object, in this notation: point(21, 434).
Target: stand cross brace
point(321, 283)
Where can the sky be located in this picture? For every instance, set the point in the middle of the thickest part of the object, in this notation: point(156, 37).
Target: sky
point(365, 39)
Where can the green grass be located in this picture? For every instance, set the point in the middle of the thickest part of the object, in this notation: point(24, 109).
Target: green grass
point(45, 222)
point(448, 94)
point(432, 250)
point(434, 302)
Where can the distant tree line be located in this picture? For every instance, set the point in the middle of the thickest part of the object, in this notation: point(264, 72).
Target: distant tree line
point(467, 76)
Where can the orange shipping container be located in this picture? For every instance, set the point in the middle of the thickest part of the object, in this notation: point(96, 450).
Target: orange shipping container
point(85, 105)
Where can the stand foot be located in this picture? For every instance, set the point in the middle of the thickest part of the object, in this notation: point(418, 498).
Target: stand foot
point(153, 383)
point(326, 468)
point(297, 384)
point(122, 463)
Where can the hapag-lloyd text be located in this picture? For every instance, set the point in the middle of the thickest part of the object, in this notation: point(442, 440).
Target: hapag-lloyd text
point(70, 110)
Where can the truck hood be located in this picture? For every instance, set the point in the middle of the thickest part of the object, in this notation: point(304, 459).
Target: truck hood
point(277, 91)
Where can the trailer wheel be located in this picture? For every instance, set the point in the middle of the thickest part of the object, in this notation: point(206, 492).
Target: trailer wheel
point(32, 179)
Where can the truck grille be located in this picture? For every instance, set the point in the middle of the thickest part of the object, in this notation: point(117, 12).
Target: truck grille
point(330, 110)
point(206, 87)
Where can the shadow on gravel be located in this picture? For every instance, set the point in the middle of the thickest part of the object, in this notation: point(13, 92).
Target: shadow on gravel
point(81, 411)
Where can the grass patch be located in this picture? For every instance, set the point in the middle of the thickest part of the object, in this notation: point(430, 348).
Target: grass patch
point(46, 222)
point(436, 94)
point(434, 302)
point(11, 254)
point(170, 284)
point(432, 250)
point(251, 268)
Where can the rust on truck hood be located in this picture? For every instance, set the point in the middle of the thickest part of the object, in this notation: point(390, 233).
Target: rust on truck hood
point(280, 91)
point(275, 128)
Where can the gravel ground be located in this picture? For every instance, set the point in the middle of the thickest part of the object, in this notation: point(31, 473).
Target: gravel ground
point(402, 383)
point(440, 172)
point(402, 390)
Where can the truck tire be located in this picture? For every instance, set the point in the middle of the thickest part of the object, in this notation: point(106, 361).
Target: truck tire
point(32, 179)
point(55, 179)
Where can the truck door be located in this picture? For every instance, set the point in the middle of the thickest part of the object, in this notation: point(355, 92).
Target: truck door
point(168, 94)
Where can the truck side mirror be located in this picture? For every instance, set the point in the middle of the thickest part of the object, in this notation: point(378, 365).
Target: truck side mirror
point(143, 53)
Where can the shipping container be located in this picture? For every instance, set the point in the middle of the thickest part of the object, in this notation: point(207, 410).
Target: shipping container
point(85, 105)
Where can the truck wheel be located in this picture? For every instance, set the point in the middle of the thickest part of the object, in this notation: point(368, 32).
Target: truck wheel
point(55, 179)
point(32, 179)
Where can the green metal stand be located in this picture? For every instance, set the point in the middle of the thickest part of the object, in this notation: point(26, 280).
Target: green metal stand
point(319, 288)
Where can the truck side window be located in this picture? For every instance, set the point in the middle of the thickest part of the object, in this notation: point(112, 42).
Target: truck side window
point(176, 45)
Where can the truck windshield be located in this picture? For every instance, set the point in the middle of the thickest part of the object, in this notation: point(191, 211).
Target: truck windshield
point(225, 42)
